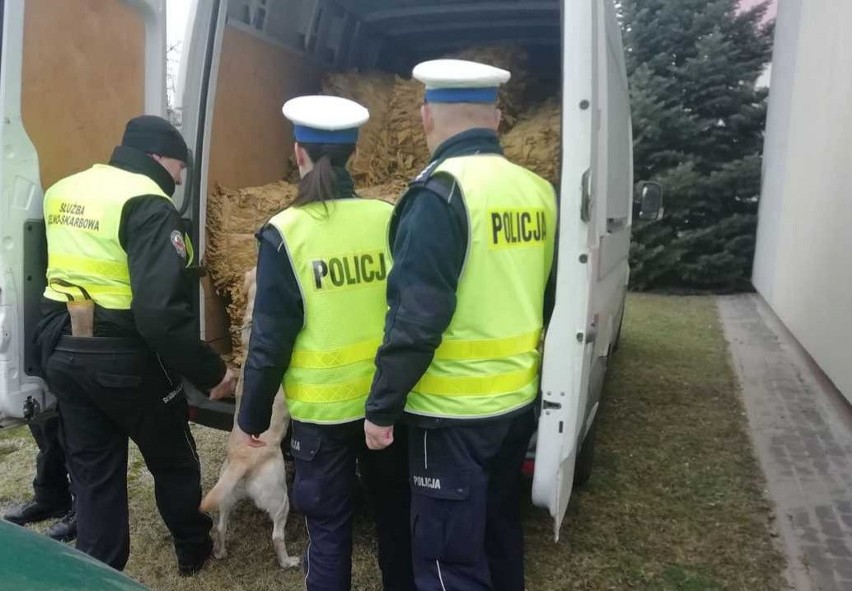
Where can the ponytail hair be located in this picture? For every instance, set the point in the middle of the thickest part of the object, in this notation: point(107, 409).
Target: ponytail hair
point(320, 184)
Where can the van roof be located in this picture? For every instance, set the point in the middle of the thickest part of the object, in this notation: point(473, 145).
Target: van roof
point(428, 28)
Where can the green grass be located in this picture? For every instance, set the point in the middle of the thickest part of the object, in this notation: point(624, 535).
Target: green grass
point(675, 501)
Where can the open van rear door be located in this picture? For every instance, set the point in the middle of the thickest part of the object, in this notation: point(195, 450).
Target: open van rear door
point(572, 351)
point(71, 74)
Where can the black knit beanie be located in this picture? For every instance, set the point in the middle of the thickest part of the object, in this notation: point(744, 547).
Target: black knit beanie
point(155, 135)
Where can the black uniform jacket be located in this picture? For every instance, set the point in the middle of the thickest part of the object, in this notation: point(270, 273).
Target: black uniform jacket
point(161, 312)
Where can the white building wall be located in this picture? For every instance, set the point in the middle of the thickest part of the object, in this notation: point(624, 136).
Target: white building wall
point(803, 263)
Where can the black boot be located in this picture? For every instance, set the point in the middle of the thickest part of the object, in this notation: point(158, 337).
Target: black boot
point(34, 511)
point(192, 565)
point(65, 529)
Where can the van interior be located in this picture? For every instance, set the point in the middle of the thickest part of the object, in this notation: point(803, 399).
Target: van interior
point(273, 50)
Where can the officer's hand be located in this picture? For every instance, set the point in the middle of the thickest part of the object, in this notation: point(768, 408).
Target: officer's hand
point(226, 387)
point(244, 438)
point(377, 437)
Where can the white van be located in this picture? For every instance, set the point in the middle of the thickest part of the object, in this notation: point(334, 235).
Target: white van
point(73, 72)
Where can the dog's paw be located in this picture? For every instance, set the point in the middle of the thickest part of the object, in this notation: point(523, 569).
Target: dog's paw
point(219, 551)
point(289, 562)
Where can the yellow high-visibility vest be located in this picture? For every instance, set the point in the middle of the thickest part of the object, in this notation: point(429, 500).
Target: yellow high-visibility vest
point(82, 215)
point(488, 361)
point(341, 261)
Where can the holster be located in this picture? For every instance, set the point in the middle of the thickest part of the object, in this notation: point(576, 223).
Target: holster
point(82, 318)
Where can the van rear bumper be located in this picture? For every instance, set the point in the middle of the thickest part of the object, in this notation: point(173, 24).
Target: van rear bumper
point(217, 414)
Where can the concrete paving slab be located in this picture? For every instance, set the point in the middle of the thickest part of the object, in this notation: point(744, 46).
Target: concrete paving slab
point(802, 431)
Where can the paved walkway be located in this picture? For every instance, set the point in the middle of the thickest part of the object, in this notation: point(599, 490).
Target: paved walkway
point(802, 432)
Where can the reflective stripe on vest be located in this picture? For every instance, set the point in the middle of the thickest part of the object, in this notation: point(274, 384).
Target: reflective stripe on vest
point(341, 262)
point(82, 215)
point(488, 362)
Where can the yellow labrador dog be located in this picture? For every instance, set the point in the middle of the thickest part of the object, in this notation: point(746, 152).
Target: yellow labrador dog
point(255, 472)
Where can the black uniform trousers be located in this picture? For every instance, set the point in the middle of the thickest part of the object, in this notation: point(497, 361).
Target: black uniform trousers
point(110, 390)
point(466, 504)
point(50, 485)
point(324, 489)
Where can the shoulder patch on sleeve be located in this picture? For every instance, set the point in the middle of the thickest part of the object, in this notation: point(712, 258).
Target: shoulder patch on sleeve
point(179, 244)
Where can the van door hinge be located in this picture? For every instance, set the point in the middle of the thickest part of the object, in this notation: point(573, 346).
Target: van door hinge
point(592, 331)
point(586, 201)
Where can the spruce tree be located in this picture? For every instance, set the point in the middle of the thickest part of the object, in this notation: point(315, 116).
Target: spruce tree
point(698, 123)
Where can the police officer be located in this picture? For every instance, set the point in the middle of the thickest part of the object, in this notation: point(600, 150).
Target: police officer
point(472, 241)
point(116, 336)
point(318, 314)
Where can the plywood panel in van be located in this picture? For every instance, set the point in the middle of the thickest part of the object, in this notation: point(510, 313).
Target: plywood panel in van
point(251, 141)
point(83, 78)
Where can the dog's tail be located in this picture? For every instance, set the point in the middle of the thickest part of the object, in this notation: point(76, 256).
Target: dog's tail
point(229, 478)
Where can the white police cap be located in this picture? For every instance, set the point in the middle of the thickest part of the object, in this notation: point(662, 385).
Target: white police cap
point(460, 81)
point(321, 119)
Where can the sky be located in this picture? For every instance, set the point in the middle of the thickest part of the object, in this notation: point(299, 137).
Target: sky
point(766, 78)
point(746, 4)
point(177, 11)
